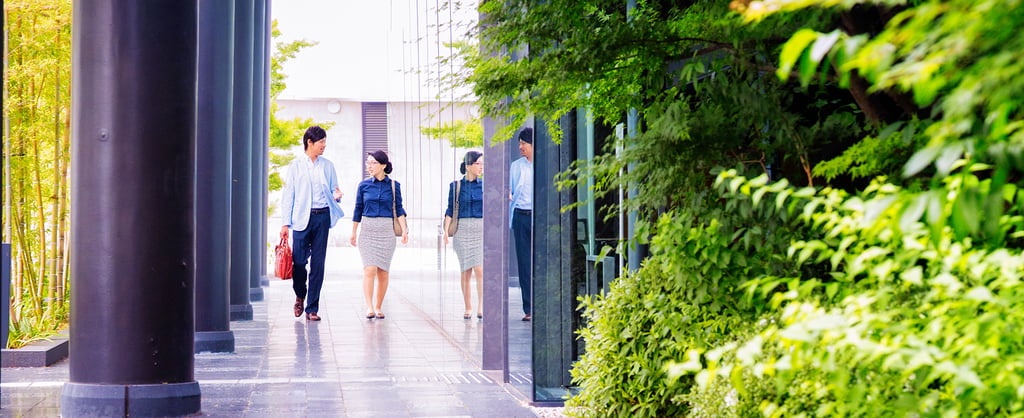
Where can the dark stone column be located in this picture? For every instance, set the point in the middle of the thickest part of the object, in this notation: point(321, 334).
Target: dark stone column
point(558, 271)
point(213, 177)
point(259, 211)
point(496, 257)
point(267, 40)
point(132, 240)
point(241, 165)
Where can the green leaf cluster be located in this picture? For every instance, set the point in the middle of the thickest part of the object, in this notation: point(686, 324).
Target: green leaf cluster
point(459, 133)
point(960, 60)
point(905, 316)
point(687, 297)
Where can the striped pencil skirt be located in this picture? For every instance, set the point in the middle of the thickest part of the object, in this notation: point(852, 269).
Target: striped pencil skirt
point(469, 242)
point(376, 242)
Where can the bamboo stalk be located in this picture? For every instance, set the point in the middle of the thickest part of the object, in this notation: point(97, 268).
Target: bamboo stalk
point(18, 269)
point(62, 225)
point(51, 296)
point(25, 261)
point(41, 223)
point(6, 142)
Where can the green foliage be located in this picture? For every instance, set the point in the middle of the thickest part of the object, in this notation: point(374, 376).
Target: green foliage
point(895, 298)
point(694, 73)
point(687, 296)
point(961, 57)
point(460, 133)
point(788, 302)
point(590, 54)
point(885, 152)
point(910, 316)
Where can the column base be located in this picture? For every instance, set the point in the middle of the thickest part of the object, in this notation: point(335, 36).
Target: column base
point(255, 294)
point(214, 342)
point(241, 312)
point(90, 400)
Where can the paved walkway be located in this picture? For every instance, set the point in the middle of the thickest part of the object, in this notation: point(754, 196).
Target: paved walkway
point(422, 360)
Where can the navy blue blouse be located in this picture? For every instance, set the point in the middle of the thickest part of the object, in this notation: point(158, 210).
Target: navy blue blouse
point(373, 199)
point(471, 199)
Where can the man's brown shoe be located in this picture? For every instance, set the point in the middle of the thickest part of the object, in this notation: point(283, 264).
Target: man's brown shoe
point(298, 307)
point(527, 317)
point(312, 317)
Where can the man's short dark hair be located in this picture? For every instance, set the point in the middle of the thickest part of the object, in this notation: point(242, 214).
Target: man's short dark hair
point(313, 133)
point(526, 135)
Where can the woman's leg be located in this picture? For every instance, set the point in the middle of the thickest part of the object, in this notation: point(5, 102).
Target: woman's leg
point(467, 295)
point(382, 287)
point(479, 271)
point(368, 274)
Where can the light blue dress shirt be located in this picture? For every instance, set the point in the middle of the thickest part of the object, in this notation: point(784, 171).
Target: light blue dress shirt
point(520, 178)
point(308, 185)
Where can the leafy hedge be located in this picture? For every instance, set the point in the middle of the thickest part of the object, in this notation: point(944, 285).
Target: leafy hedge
point(688, 295)
point(790, 302)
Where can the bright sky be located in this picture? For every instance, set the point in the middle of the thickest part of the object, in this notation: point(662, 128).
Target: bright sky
point(364, 45)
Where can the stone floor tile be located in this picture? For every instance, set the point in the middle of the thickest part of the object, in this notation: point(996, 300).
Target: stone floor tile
point(343, 366)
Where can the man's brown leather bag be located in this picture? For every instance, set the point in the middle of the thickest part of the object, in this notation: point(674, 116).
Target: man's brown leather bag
point(283, 260)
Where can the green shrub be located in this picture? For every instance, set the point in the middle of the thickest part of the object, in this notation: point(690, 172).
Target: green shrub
point(778, 302)
point(918, 314)
point(687, 295)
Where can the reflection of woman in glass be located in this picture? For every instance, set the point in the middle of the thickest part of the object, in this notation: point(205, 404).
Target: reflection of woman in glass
point(468, 214)
point(374, 202)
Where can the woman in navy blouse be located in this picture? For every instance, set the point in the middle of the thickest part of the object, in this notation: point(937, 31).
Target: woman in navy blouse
point(469, 237)
point(374, 203)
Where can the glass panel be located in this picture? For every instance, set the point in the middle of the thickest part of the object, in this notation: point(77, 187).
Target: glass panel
point(428, 163)
point(519, 332)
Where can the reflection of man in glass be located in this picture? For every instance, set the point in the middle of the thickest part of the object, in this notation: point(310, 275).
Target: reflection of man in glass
point(521, 182)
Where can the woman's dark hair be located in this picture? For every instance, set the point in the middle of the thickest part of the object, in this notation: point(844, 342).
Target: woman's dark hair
point(313, 133)
point(469, 159)
point(382, 157)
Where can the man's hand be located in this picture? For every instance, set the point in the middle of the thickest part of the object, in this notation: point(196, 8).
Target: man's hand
point(337, 194)
point(284, 232)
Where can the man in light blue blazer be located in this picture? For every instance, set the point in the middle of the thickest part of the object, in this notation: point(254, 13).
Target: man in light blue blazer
point(310, 208)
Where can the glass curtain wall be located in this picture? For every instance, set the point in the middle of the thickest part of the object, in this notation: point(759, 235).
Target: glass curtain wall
point(426, 270)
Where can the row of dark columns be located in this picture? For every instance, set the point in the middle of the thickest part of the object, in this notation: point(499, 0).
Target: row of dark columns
point(169, 130)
